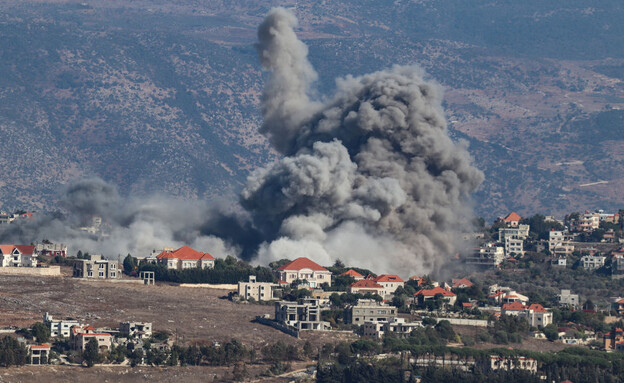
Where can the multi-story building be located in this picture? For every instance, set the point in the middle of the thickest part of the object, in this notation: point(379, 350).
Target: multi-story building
point(17, 256)
point(185, 258)
point(97, 268)
point(140, 330)
point(617, 265)
point(489, 255)
point(259, 291)
point(535, 314)
point(39, 353)
point(51, 249)
point(396, 326)
point(59, 327)
point(566, 298)
point(587, 222)
point(559, 243)
point(390, 283)
point(592, 262)
point(80, 336)
point(302, 315)
point(353, 274)
point(513, 239)
point(303, 269)
point(512, 220)
point(517, 363)
point(368, 310)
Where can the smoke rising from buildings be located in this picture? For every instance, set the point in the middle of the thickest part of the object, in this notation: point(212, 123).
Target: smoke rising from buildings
point(368, 175)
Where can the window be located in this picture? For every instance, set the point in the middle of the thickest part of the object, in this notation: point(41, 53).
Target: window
point(101, 274)
point(90, 273)
point(113, 274)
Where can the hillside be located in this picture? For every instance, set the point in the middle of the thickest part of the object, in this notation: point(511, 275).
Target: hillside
point(162, 96)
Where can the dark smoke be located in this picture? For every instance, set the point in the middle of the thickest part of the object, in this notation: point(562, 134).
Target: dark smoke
point(370, 177)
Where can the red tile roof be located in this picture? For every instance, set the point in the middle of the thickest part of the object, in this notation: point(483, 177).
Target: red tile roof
point(388, 278)
point(432, 292)
point(461, 282)
point(185, 252)
point(41, 346)
point(536, 307)
point(24, 249)
point(515, 306)
point(352, 273)
point(366, 283)
point(302, 263)
point(466, 304)
point(513, 216)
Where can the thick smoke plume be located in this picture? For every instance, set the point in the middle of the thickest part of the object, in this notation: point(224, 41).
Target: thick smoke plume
point(370, 176)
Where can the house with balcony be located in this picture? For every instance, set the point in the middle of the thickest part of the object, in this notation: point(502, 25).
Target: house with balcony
point(369, 310)
point(96, 267)
point(259, 291)
point(302, 315)
point(366, 286)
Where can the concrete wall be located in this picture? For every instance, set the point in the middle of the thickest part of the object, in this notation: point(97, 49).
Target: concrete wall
point(52, 271)
point(466, 322)
point(210, 286)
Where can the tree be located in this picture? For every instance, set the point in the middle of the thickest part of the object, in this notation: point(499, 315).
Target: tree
point(240, 372)
point(91, 354)
point(552, 332)
point(129, 264)
point(41, 332)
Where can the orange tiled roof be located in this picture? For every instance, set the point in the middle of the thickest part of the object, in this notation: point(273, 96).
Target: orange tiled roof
point(366, 283)
point(461, 282)
point(513, 216)
point(515, 306)
point(432, 292)
point(388, 278)
point(24, 249)
point(352, 273)
point(536, 307)
point(185, 252)
point(302, 263)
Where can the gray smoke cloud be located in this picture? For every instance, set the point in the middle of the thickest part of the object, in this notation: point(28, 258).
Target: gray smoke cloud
point(131, 225)
point(369, 176)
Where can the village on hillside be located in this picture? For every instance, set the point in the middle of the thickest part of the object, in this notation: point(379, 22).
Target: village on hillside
point(530, 274)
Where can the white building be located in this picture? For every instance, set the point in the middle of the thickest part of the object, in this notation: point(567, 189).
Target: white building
point(390, 283)
point(140, 330)
point(185, 258)
point(17, 256)
point(513, 239)
point(396, 326)
point(593, 262)
point(304, 269)
point(535, 314)
point(59, 327)
point(259, 291)
point(566, 298)
point(489, 255)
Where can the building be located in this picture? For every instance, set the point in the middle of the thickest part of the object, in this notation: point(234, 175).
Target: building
point(80, 336)
point(140, 330)
point(512, 220)
point(396, 326)
point(96, 268)
point(51, 249)
point(353, 274)
point(460, 283)
point(185, 258)
point(303, 269)
point(506, 296)
point(517, 363)
point(59, 327)
point(18, 256)
point(419, 280)
point(559, 243)
point(366, 286)
point(302, 315)
point(567, 299)
point(39, 353)
point(420, 297)
point(617, 265)
point(613, 338)
point(513, 239)
point(535, 314)
point(368, 310)
point(259, 291)
point(488, 256)
point(559, 261)
point(617, 304)
point(390, 283)
point(587, 222)
point(592, 262)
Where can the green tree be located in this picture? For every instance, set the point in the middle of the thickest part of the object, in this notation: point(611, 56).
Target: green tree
point(91, 354)
point(41, 332)
point(129, 264)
